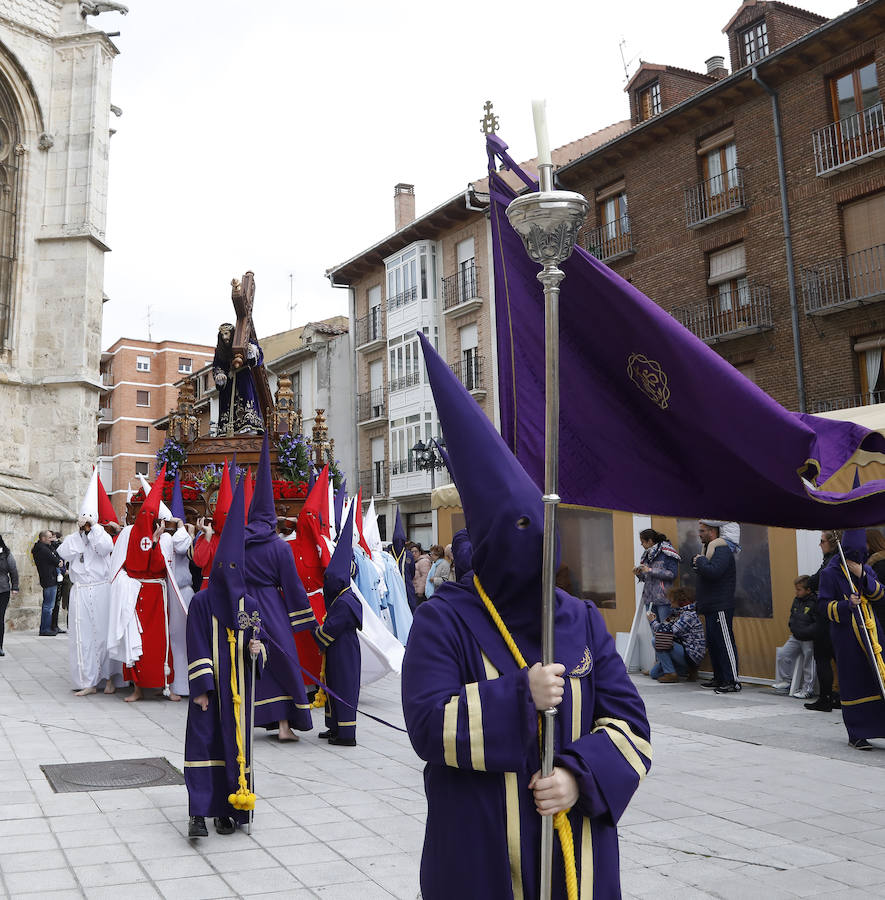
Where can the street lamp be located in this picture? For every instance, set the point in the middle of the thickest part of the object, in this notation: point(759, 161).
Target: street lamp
point(428, 457)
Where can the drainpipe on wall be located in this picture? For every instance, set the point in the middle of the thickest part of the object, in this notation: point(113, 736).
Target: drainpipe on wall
point(788, 236)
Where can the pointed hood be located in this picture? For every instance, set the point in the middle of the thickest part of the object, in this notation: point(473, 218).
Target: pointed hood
point(89, 505)
point(105, 507)
point(138, 550)
point(338, 572)
point(163, 511)
point(317, 502)
point(371, 532)
point(358, 519)
point(222, 501)
point(462, 553)
point(854, 544)
point(227, 580)
point(340, 496)
point(248, 491)
point(330, 515)
point(503, 509)
point(262, 511)
point(399, 537)
point(177, 502)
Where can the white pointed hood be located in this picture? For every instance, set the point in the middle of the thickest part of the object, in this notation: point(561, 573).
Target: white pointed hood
point(89, 505)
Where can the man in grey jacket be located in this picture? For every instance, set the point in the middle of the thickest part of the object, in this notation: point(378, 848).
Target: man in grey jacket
point(8, 586)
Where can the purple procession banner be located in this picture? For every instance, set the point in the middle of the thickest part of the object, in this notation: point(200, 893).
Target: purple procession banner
point(651, 419)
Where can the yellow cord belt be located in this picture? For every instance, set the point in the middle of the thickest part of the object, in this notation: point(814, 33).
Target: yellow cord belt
point(869, 621)
point(243, 798)
point(560, 820)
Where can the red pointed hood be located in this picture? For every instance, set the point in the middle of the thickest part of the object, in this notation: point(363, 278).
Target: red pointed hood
point(140, 544)
point(222, 501)
point(248, 490)
point(317, 502)
point(105, 508)
point(359, 523)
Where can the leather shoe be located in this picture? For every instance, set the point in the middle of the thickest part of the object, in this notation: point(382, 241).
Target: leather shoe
point(60, 631)
point(343, 742)
point(710, 684)
point(196, 827)
point(822, 704)
point(325, 735)
point(48, 633)
point(224, 825)
point(2, 652)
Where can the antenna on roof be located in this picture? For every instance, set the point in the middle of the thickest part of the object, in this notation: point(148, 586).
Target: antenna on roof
point(149, 322)
point(292, 303)
point(624, 61)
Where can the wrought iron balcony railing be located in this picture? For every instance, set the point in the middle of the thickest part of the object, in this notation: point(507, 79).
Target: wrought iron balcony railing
point(470, 373)
point(403, 466)
point(104, 449)
point(371, 405)
point(741, 310)
point(461, 287)
point(867, 398)
point(371, 327)
point(611, 241)
point(404, 381)
point(407, 296)
point(717, 197)
point(107, 379)
point(844, 281)
point(850, 141)
point(372, 481)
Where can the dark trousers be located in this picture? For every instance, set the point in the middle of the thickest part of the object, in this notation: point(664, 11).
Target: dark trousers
point(823, 664)
point(721, 646)
point(4, 602)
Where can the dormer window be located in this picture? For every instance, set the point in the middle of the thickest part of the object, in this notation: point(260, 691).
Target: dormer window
point(754, 42)
point(650, 101)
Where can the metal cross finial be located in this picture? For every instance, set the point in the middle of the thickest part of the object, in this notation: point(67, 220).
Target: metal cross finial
point(244, 621)
point(489, 124)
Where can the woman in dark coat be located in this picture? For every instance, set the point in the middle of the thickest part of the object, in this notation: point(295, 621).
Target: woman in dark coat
point(8, 586)
point(823, 646)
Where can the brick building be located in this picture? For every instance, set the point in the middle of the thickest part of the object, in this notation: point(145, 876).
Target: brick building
point(705, 234)
point(139, 381)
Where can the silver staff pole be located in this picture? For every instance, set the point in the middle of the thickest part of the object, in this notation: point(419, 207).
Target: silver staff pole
point(253, 622)
point(862, 628)
point(548, 223)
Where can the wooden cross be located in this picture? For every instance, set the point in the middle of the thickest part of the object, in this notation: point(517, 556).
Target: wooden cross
point(243, 297)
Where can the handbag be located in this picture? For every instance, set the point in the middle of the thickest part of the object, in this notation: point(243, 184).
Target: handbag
point(663, 640)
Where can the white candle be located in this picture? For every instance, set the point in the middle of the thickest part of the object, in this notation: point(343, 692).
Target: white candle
point(539, 113)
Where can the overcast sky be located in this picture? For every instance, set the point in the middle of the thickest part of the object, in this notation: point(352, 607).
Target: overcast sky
point(268, 134)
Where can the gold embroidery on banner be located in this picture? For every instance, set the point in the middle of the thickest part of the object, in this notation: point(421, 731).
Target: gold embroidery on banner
point(450, 732)
point(584, 666)
point(650, 378)
point(511, 797)
point(474, 727)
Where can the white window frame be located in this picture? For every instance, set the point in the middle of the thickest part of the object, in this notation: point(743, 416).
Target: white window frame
point(147, 432)
point(142, 364)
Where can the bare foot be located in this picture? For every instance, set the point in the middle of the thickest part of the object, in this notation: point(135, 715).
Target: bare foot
point(286, 733)
point(110, 687)
point(85, 692)
point(174, 697)
point(137, 694)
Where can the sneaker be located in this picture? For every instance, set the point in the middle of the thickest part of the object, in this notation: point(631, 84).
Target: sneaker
point(822, 704)
point(781, 686)
point(224, 825)
point(781, 692)
point(802, 695)
point(710, 684)
point(196, 827)
point(728, 688)
point(861, 744)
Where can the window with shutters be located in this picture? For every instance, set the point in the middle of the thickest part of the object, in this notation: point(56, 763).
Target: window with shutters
point(728, 277)
point(142, 435)
point(142, 398)
point(863, 224)
point(142, 468)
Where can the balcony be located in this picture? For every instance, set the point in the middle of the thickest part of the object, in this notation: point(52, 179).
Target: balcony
point(103, 449)
point(410, 295)
point(107, 379)
point(850, 141)
point(868, 398)
point(371, 405)
point(844, 282)
point(611, 241)
point(404, 381)
point(407, 480)
point(371, 330)
point(372, 480)
point(714, 199)
point(471, 373)
point(104, 417)
point(745, 309)
point(461, 292)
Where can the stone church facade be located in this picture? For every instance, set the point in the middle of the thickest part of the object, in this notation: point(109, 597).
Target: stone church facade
point(55, 129)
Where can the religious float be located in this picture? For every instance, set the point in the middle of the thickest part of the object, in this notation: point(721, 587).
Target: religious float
point(246, 409)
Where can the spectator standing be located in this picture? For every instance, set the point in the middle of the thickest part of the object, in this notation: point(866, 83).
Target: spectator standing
point(440, 570)
point(657, 570)
point(422, 567)
point(823, 645)
point(8, 586)
point(62, 587)
point(688, 643)
point(716, 585)
point(803, 627)
point(47, 562)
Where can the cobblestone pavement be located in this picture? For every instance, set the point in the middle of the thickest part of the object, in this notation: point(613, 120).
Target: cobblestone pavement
point(751, 796)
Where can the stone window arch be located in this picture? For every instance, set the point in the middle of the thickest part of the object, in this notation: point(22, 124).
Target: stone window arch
point(11, 155)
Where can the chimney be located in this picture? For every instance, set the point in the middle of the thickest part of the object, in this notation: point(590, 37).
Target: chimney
point(403, 204)
point(716, 67)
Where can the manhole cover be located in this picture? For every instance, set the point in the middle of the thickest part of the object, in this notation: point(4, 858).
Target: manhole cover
point(111, 775)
